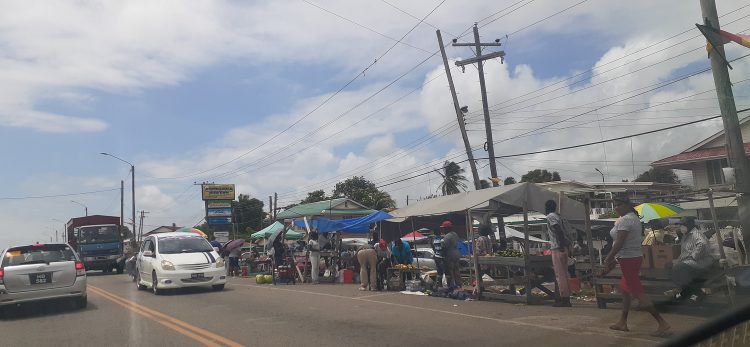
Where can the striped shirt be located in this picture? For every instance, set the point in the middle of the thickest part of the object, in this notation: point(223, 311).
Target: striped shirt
point(694, 250)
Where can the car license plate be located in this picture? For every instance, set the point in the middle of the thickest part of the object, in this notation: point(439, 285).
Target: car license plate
point(40, 278)
point(197, 276)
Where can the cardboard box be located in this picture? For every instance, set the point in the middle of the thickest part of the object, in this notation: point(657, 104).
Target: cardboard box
point(648, 260)
point(663, 254)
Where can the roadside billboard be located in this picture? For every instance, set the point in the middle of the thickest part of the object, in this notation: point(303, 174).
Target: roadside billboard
point(218, 192)
point(221, 236)
point(219, 220)
point(219, 212)
point(219, 204)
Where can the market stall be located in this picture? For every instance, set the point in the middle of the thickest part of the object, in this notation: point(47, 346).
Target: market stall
point(501, 202)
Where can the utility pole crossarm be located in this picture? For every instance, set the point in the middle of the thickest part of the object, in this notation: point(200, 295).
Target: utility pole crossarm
point(480, 58)
point(493, 44)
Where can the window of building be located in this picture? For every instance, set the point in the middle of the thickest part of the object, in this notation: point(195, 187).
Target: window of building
point(715, 175)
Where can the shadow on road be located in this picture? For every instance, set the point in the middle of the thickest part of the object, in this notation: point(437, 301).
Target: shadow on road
point(43, 309)
point(194, 291)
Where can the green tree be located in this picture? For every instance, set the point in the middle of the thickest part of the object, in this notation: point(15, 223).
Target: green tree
point(540, 176)
point(315, 196)
point(658, 174)
point(363, 191)
point(509, 180)
point(484, 184)
point(248, 213)
point(453, 179)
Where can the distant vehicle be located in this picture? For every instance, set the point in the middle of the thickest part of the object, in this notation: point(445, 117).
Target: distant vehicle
point(101, 247)
point(423, 258)
point(177, 260)
point(41, 272)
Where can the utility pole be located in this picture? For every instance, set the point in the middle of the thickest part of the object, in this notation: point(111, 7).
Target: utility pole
point(122, 211)
point(275, 204)
point(733, 134)
point(270, 209)
point(478, 59)
point(140, 229)
point(459, 116)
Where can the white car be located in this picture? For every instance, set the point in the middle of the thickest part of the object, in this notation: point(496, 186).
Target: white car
point(424, 258)
point(178, 260)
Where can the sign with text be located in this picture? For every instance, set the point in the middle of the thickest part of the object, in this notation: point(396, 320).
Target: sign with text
point(219, 212)
point(218, 192)
point(219, 220)
point(219, 204)
point(221, 236)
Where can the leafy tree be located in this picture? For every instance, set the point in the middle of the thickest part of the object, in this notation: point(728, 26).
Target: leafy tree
point(248, 213)
point(509, 180)
point(363, 191)
point(484, 184)
point(658, 174)
point(315, 196)
point(453, 179)
point(540, 176)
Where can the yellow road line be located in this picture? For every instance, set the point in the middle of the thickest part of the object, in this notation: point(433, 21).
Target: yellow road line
point(201, 335)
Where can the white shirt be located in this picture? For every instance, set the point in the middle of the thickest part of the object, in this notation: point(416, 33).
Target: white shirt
point(552, 220)
point(632, 224)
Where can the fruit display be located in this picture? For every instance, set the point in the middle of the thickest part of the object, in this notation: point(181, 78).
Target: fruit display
point(268, 278)
point(404, 267)
point(509, 253)
point(259, 279)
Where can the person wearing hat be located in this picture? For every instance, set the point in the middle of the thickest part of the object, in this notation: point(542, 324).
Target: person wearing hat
point(560, 245)
point(626, 250)
point(384, 262)
point(694, 260)
point(451, 254)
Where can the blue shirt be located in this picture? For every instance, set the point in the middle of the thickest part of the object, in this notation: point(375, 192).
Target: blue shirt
point(403, 255)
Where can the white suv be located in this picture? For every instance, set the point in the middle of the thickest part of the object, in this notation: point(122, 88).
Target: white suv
point(177, 260)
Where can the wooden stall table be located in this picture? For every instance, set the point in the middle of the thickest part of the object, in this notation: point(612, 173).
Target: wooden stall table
point(533, 276)
point(396, 277)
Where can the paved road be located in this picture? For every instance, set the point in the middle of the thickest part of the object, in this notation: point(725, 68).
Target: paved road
point(251, 315)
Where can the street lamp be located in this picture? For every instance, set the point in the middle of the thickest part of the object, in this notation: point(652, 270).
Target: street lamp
point(64, 232)
point(604, 186)
point(86, 209)
point(132, 183)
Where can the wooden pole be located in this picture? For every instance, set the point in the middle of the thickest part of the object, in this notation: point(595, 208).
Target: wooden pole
point(475, 256)
point(716, 224)
point(589, 237)
point(526, 260)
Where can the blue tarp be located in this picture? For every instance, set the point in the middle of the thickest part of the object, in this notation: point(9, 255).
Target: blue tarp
point(359, 225)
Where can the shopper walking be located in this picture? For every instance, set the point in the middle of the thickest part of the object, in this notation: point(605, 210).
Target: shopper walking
point(560, 247)
point(452, 255)
point(626, 250)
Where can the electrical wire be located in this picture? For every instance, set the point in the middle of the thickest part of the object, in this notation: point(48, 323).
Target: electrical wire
point(57, 195)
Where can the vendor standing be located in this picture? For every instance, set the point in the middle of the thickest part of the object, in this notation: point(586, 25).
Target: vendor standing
point(384, 262)
point(560, 246)
point(314, 248)
point(452, 255)
point(694, 261)
point(401, 252)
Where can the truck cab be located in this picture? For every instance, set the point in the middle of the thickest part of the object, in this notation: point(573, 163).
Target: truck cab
point(100, 247)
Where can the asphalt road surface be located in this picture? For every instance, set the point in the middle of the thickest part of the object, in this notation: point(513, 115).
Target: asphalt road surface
point(246, 314)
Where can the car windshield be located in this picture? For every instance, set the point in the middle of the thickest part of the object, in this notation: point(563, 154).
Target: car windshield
point(98, 234)
point(38, 254)
point(187, 244)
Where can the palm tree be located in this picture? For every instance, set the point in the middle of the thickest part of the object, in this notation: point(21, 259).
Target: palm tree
point(453, 179)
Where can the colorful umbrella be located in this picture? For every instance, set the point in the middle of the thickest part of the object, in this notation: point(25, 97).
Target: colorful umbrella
point(234, 244)
point(192, 231)
point(651, 211)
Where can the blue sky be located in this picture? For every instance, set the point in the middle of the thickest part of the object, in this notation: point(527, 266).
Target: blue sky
point(177, 88)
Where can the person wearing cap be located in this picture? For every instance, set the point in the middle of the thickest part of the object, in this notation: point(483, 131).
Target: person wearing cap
point(384, 262)
point(626, 250)
point(451, 255)
point(694, 260)
point(560, 246)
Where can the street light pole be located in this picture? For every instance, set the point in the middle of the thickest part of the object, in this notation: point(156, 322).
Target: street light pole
point(132, 176)
point(604, 186)
point(86, 209)
point(62, 233)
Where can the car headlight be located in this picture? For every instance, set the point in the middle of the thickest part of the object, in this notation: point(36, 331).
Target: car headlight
point(220, 263)
point(167, 265)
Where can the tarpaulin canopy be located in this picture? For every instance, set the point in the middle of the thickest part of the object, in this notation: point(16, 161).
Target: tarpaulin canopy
point(509, 232)
point(509, 199)
point(359, 225)
point(275, 228)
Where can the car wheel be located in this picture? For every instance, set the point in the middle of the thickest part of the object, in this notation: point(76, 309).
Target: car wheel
point(81, 302)
point(138, 284)
point(120, 269)
point(154, 282)
point(218, 287)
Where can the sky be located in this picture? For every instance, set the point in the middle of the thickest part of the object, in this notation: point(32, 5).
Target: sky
point(291, 96)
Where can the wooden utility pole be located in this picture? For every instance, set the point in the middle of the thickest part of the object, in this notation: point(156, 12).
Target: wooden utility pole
point(270, 209)
point(122, 212)
point(732, 132)
point(479, 59)
point(459, 115)
point(275, 204)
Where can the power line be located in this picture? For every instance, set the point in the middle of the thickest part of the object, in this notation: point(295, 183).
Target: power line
point(58, 195)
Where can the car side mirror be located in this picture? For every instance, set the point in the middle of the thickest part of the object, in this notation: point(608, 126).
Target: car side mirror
point(149, 254)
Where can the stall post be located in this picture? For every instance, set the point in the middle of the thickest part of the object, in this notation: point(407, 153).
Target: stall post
point(475, 257)
point(719, 237)
point(414, 237)
point(589, 237)
point(526, 261)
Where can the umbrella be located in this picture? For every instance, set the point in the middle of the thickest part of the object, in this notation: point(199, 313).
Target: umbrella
point(413, 236)
point(651, 211)
point(192, 231)
point(234, 244)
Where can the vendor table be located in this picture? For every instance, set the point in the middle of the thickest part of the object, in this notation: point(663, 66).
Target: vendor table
point(533, 275)
point(397, 277)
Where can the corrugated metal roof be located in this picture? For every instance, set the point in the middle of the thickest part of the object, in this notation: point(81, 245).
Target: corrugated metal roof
point(327, 207)
point(696, 155)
